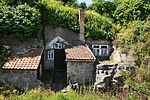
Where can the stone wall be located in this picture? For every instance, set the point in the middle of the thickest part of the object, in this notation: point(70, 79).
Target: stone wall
point(22, 46)
point(48, 64)
point(80, 72)
point(110, 75)
point(26, 79)
point(68, 35)
point(50, 33)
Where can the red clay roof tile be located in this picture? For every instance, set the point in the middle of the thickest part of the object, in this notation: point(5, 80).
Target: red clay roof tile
point(28, 60)
point(80, 52)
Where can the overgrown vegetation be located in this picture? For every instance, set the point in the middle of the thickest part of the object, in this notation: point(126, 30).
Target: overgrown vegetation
point(42, 94)
point(6, 91)
point(21, 21)
point(5, 52)
point(23, 18)
point(96, 26)
point(134, 39)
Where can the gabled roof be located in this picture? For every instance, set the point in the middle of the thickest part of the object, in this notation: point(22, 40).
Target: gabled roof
point(79, 52)
point(28, 60)
point(56, 39)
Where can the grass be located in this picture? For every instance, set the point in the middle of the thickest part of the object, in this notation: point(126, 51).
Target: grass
point(42, 94)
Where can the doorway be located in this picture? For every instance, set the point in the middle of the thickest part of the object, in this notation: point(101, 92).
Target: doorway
point(60, 69)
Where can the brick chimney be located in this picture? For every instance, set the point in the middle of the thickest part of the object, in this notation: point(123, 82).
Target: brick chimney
point(81, 22)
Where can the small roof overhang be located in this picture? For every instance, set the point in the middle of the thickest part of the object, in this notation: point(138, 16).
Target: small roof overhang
point(27, 61)
point(80, 53)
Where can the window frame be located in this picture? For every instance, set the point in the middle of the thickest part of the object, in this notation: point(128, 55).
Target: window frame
point(59, 46)
point(99, 51)
point(50, 55)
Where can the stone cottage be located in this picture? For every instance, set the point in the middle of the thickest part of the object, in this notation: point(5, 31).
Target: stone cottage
point(22, 70)
point(80, 64)
point(68, 53)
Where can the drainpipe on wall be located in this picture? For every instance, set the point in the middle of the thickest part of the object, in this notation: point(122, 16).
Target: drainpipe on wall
point(81, 22)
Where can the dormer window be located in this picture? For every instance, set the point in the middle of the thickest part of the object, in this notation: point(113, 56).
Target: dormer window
point(100, 50)
point(58, 46)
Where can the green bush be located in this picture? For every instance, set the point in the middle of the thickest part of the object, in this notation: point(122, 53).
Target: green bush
point(136, 38)
point(7, 90)
point(5, 52)
point(106, 8)
point(96, 26)
point(129, 10)
point(21, 21)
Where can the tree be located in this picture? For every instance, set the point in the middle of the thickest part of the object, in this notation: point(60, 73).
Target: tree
point(106, 8)
point(98, 1)
point(69, 2)
point(129, 10)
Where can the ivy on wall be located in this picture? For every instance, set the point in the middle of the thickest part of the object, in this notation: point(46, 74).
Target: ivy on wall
point(96, 26)
point(23, 21)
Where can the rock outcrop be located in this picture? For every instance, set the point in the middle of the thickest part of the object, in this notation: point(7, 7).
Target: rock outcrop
point(110, 75)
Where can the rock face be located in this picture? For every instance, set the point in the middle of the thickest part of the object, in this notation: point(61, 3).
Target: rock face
point(108, 75)
point(118, 57)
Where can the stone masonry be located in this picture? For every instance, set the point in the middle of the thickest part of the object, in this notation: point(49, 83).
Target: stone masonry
point(108, 75)
point(78, 72)
point(26, 79)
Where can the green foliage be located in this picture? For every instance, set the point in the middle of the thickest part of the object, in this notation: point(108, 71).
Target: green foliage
point(96, 26)
point(99, 27)
point(21, 21)
point(140, 82)
point(42, 94)
point(106, 8)
point(7, 90)
point(16, 2)
point(5, 52)
point(136, 38)
point(129, 10)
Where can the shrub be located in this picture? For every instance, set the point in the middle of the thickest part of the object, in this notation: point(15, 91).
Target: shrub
point(21, 21)
point(96, 26)
point(5, 52)
point(129, 10)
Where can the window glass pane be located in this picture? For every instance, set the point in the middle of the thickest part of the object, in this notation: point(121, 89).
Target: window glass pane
point(57, 46)
point(60, 46)
point(103, 46)
point(96, 46)
point(51, 55)
point(103, 52)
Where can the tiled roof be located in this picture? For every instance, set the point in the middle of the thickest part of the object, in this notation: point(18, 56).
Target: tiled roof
point(28, 60)
point(79, 52)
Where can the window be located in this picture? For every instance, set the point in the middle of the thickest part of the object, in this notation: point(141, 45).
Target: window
point(100, 50)
point(58, 46)
point(51, 55)
point(103, 50)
